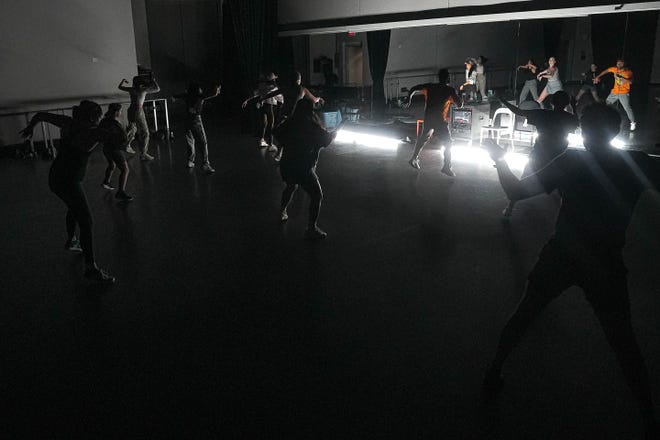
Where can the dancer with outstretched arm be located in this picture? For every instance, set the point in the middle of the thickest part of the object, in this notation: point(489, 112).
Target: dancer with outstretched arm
point(438, 99)
point(586, 248)
point(80, 134)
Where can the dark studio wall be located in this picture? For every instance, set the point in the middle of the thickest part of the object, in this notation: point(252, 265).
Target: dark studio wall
point(184, 41)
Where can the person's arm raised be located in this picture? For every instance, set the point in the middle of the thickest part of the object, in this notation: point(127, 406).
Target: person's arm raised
point(513, 108)
point(122, 87)
point(51, 118)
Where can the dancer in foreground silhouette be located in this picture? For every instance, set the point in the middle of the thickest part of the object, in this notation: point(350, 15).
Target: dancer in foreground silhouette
point(438, 99)
point(302, 136)
point(552, 127)
point(115, 143)
point(599, 188)
point(79, 135)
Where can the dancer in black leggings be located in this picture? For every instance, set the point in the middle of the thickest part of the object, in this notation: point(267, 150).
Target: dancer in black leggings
point(303, 136)
point(599, 187)
point(80, 134)
point(115, 144)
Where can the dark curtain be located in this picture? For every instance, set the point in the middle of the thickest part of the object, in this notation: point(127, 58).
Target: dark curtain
point(255, 26)
point(552, 37)
point(378, 43)
point(284, 62)
point(612, 37)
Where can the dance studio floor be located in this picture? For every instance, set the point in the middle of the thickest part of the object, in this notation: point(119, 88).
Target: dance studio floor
point(224, 323)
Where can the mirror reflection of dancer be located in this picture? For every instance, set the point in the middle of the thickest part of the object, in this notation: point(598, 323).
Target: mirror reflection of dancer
point(303, 136)
point(481, 77)
point(116, 140)
point(623, 78)
point(194, 126)
point(142, 85)
point(266, 109)
point(554, 83)
point(438, 99)
point(553, 128)
point(529, 81)
point(589, 84)
point(586, 249)
point(292, 91)
point(79, 135)
point(468, 87)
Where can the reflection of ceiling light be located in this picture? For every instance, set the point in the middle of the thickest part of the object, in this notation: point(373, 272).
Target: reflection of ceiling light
point(367, 140)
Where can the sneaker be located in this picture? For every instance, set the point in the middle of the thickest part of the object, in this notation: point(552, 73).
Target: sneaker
point(122, 196)
point(130, 150)
point(314, 233)
point(448, 171)
point(633, 126)
point(73, 245)
point(207, 168)
point(263, 143)
point(278, 156)
point(272, 149)
point(191, 164)
point(414, 163)
point(99, 275)
point(108, 186)
point(146, 157)
point(284, 216)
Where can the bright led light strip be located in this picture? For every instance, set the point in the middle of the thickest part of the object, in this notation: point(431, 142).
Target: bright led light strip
point(367, 140)
point(575, 140)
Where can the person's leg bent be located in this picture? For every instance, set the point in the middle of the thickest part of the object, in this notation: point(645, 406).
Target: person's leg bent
point(70, 225)
point(73, 196)
point(421, 142)
point(200, 135)
point(287, 194)
point(611, 99)
point(609, 298)
point(142, 131)
point(524, 92)
point(190, 141)
point(313, 187)
point(625, 103)
point(551, 275)
point(109, 169)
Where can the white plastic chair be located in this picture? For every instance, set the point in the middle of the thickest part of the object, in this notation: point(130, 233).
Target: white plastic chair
point(503, 125)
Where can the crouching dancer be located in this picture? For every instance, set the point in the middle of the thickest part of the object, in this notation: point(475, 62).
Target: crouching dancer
point(79, 135)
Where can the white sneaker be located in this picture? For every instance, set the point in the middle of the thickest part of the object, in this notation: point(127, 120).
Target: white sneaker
point(108, 186)
point(130, 150)
point(191, 164)
point(263, 143)
point(146, 157)
point(284, 216)
point(414, 163)
point(207, 168)
point(272, 148)
point(633, 126)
